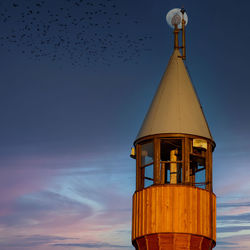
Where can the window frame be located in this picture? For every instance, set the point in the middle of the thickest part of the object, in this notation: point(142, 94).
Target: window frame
point(187, 150)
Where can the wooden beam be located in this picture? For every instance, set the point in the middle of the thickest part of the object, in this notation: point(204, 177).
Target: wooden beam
point(187, 160)
point(157, 158)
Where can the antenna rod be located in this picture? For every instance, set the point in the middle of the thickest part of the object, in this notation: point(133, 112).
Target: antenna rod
point(183, 35)
point(176, 40)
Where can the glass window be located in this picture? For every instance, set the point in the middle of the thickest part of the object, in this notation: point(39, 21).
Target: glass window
point(147, 153)
point(197, 168)
point(171, 173)
point(171, 147)
point(149, 176)
point(171, 161)
point(147, 164)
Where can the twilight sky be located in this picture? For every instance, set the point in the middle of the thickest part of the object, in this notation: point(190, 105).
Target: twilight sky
point(77, 77)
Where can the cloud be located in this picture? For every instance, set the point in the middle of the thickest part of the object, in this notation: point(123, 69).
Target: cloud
point(21, 241)
point(96, 206)
point(235, 207)
point(45, 208)
point(91, 245)
point(225, 243)
point(233, 242)
point(245, 217)
point(30, 242)
point(233, 204)
point(25, 185)
point(88, 198)
point(231, 229)
point(17, 182)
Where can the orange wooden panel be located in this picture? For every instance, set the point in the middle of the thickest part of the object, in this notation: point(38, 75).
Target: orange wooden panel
point(174, 209)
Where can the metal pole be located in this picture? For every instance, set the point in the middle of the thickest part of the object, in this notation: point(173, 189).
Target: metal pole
point(176, 42)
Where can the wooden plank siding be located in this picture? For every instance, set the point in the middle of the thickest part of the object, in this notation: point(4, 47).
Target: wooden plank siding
point(174, 209)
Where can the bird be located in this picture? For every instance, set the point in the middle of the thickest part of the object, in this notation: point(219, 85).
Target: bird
point(73, 26)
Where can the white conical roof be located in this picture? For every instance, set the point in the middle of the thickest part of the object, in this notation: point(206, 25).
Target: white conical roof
point(175, 107)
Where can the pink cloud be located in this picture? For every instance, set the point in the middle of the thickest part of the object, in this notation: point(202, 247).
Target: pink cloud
point(234, 242)
point(15, 183)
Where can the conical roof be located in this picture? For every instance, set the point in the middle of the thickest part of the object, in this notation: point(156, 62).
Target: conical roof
point(175, 107)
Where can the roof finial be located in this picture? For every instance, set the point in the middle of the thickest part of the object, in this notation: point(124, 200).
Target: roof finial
point(177, 19)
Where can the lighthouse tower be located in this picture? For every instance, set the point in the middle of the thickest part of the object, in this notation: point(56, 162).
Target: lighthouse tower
point(174, 206)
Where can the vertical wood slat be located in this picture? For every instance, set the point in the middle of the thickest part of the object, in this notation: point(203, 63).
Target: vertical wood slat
point(133, 224)
point(163, 214)
point(207, 215)
point(174, 208)
point(148, 212)
point(138, 216)
point(144, 221)
point(153, 209)
point(157, 215)
point(214, 219)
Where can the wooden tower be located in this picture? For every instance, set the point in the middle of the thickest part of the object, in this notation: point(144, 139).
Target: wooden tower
point(174, 206)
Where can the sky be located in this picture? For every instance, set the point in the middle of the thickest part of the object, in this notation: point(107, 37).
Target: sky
point(77, 78)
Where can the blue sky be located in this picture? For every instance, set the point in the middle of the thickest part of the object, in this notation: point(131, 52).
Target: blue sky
point(71, 111)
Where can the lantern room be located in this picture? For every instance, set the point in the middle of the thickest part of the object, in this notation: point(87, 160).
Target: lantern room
point(174, 159)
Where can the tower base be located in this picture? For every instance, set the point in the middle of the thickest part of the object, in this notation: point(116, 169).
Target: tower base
point(173, 241)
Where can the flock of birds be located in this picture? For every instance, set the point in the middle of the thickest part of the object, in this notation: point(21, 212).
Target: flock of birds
point(81, 32)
